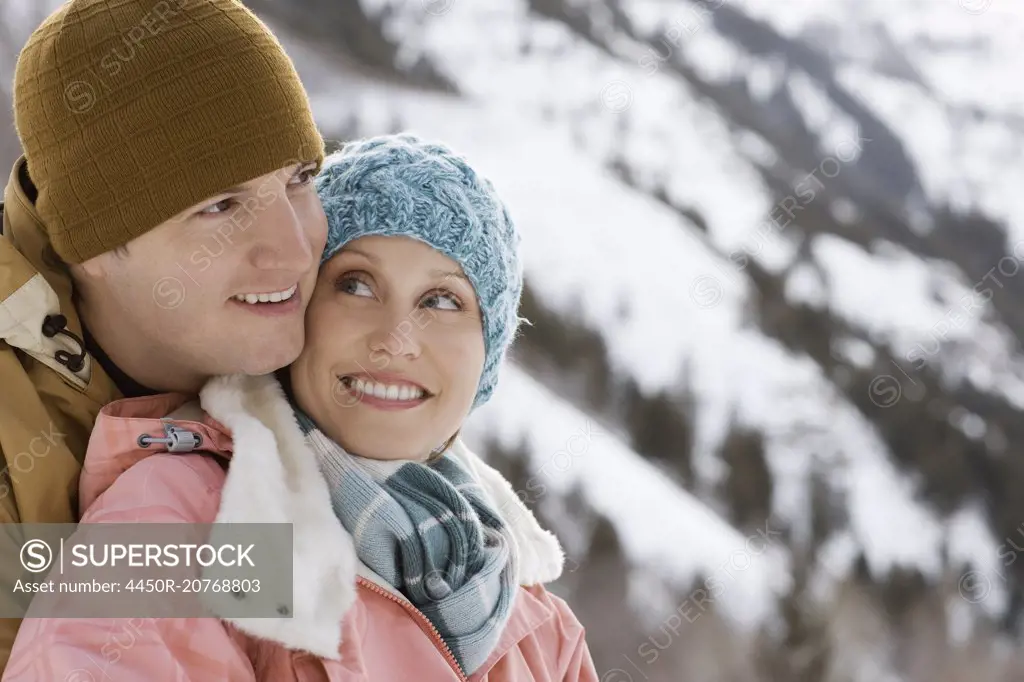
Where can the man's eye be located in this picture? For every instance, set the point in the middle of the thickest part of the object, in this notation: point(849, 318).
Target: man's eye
point(219, 207)
point(303, 177)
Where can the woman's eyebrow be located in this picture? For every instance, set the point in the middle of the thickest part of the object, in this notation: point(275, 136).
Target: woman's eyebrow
point(368, 256)
point(448, 275)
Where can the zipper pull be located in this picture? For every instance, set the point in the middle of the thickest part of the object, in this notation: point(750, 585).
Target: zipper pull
point(176, 439)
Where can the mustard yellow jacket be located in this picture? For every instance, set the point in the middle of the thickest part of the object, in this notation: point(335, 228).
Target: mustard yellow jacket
point(47, 409)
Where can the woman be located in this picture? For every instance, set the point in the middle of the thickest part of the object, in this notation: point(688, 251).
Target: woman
point(412, 558)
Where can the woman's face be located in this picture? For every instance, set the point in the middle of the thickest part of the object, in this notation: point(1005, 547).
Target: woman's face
point(394, 349)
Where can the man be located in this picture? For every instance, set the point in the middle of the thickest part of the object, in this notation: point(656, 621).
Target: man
point(161, 227)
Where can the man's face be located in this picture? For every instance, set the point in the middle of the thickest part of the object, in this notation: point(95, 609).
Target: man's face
point(222, 287)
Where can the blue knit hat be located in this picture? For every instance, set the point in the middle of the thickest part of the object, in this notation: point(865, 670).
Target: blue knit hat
point(401, 185)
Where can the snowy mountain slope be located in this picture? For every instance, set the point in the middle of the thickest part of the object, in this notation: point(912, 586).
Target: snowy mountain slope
point(663, 528)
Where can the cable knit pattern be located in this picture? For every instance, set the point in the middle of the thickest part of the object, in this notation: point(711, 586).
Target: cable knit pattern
point(401, 185)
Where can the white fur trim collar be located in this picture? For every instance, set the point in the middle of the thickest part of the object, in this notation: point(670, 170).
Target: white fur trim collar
point(274, 478)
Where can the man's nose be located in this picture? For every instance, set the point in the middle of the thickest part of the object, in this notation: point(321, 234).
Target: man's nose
point(281, 241)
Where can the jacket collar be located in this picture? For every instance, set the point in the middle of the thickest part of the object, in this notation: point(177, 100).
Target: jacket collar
point(34, 284)
point(275, 478)
point(114, 445)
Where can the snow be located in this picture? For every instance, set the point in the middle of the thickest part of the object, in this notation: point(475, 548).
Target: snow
point(973, 549)
point(654, 17)
point(662, 528)
point(966, 52)
point(890, 293)
point(835, 129)
point(790, 21)
point(611, 107)
point(855, 351)
point(972, 425)
point(893, 528)
point(961, 125)
point(805, 285)
point(836, 559)
point(925, 129)
point(765, 77)
point(714, 58)
point(974, 54)
point(922, 311)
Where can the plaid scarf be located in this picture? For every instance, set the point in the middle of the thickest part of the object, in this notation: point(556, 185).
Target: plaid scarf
point(427, 531)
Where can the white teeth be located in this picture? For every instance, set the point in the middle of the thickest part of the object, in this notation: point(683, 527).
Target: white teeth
point(385, 391)
point(273, 297)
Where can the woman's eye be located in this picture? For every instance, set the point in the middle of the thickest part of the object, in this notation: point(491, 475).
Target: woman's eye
point(442, 301)
point(219, 207)
point(354, 287)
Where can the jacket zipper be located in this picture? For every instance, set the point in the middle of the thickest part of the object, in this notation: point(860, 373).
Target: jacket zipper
point(408, 606)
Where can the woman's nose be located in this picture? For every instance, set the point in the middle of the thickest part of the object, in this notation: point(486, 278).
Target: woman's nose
point(396, 336)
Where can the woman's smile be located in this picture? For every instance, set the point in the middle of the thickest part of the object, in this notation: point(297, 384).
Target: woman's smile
point(384, 394)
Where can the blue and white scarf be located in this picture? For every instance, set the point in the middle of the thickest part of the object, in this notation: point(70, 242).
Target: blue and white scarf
point(427, 530)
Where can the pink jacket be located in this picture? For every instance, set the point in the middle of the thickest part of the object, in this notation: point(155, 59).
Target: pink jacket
point(347, 624)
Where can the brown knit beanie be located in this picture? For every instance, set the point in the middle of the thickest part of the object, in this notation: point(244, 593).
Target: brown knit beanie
point(130, 111)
